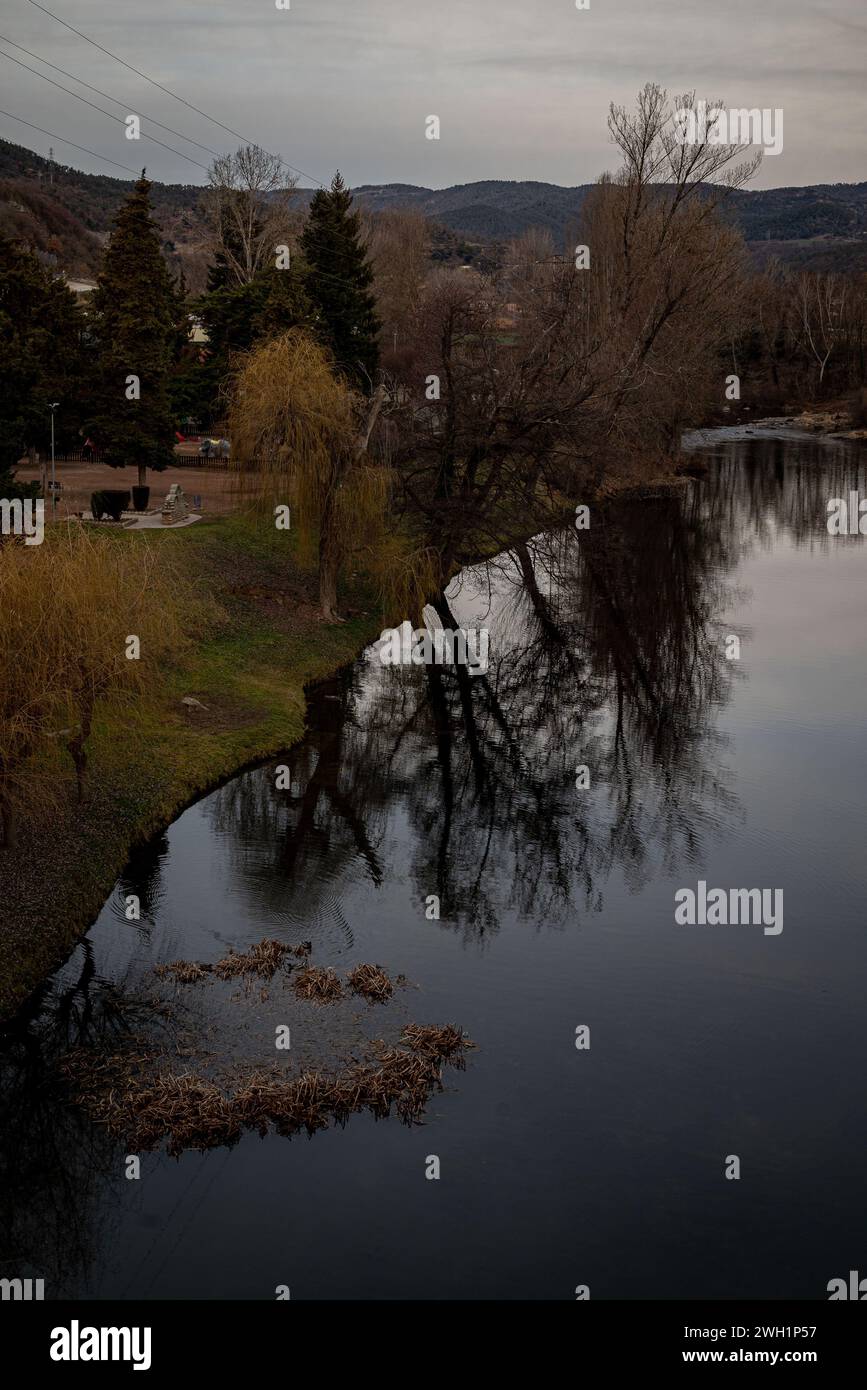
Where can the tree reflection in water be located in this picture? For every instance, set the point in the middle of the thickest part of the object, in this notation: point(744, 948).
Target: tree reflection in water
point(606, 649)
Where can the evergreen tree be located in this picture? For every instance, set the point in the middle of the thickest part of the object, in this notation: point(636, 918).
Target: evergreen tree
point(41, 361)
point(236, 316)
point(339, 281)
point(135, 324)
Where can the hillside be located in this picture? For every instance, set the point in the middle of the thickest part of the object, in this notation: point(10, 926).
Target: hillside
point(67, 214)
point(825, 224)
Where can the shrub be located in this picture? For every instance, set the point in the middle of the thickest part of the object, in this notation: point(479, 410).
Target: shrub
point(67, 609)
point(109, 502)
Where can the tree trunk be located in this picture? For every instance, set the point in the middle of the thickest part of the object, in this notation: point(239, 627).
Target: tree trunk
point(142, 475)
point(329, 539)
point(329, 561)
point(79, 758)
point(7, 823)
point(77, 745)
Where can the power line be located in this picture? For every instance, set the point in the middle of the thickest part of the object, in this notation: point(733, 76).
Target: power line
point(108, 97)
point(169, 92)
point(64, 141)
point(111, 116)
point(322, 275)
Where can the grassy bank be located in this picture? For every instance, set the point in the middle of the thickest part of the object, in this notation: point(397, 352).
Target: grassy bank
point(149, 758)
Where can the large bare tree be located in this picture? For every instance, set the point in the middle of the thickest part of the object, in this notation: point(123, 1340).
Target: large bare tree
point(528, 386)
point(249, 207)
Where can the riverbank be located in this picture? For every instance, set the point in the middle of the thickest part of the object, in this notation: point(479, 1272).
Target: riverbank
point(149, 760)
point(836, 423)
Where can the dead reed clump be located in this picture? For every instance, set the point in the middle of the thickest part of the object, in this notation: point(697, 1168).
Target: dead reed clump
point(193, 1112)
point(186, 972)
point(402, 1079)
point(445, 1043)
point(372, 982)
point(264, 959)
point(318, 983)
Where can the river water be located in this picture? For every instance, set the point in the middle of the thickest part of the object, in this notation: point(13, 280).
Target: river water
point(559, 1166)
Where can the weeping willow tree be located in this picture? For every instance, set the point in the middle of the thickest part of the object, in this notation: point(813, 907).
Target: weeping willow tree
point(301, 426)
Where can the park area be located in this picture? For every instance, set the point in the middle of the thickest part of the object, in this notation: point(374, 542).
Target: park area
point(221, 488)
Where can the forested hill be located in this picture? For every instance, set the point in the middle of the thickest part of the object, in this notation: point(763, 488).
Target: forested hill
point(68, 213)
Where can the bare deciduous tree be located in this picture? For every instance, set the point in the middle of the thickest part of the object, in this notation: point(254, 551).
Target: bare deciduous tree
point(821, 303)
point(559, 368)
point(398, 244)
point(248, 204)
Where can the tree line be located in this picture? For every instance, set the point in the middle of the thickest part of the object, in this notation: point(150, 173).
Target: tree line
point(419, 416)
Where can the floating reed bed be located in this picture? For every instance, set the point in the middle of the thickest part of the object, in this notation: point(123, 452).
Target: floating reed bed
point(318, 983)
point(263, 959)
point(192, 1112)
point(185, 972)
point(372, 982)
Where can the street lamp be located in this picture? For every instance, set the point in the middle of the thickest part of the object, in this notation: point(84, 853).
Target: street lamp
point(52, 406)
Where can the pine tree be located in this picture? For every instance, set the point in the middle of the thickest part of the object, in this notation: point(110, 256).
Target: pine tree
point(135, 324)
point(235, 317)
point(339, 281)
point(41, 360)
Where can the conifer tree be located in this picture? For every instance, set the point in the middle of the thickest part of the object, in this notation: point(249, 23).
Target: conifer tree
point(339, 281)
point(135, 324)
point(41, 361)
point(235, 317)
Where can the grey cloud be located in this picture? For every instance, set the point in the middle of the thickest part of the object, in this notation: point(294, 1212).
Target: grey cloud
point(522, 86)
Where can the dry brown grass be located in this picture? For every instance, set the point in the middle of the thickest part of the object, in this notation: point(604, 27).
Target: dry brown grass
point(318, 983)
point(190, 1111)
point(372, 982)
point(264, 959)
point(186, 972)
point(69, 606)
point(435, 1042)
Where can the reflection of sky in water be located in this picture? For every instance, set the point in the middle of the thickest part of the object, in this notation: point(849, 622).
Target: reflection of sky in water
point(558, 1167)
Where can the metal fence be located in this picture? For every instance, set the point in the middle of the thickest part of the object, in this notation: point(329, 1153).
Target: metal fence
point(76, 456)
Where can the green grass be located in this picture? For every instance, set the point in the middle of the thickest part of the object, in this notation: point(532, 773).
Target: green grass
point(149, 759)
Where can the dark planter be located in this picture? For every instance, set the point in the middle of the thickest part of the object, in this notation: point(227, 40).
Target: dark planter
point(140, 498)
point(108, 502)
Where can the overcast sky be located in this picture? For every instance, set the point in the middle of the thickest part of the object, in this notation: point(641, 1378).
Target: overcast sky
point(521, 87)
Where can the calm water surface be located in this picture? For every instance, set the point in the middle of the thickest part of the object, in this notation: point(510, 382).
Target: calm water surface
point(559, 1167)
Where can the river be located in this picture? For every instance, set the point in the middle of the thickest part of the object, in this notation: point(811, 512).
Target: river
point(559, 1165)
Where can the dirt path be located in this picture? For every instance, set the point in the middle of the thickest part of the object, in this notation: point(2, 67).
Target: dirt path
point(222, 490)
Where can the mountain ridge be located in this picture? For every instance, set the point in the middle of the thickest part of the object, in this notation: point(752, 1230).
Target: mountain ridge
point(67, 214)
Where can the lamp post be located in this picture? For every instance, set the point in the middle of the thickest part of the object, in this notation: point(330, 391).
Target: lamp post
point(52, 405)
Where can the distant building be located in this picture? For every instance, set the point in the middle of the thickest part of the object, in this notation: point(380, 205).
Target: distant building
point(81, 287)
